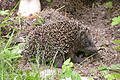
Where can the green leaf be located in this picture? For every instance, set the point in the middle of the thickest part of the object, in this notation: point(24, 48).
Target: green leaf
point(49, 0)
point(17, 49)
point(67, 69)
point(117, 48)
point(103, 68)
point(115, 67)
point(67, 65)
point(116, 41)
point(10, 40)
point(116, 75)
point(109, 4)
point(11, 53)
point(113, 76)
point(39, 21)
point(7, 55)
point(109, 77)
point(67, 74)
point(115, 21)
point(75, 76)
point(3, 13)
point(90, 79)
point(5, 24)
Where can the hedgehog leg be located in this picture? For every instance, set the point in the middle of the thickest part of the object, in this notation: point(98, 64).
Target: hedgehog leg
point(59, 60)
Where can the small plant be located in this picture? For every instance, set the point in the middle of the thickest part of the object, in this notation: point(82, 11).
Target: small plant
point(3, 13)
point(67, 71)
point(115, 21)
point(111, 73)
point(116, 47)
point(9, 58)
point(8, 13)
point(9, 52)
point(109, 4)
point(39, 21)
point(49, 0)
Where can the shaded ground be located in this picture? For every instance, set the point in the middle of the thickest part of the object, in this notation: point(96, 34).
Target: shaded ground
point(98, 18)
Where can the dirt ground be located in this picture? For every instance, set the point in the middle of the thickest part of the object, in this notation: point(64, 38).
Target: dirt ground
point(98, 18)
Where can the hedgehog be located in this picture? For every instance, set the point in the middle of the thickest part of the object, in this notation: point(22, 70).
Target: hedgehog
point(57, 41)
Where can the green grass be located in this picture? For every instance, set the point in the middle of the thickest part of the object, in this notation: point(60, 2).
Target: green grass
point(9, 59)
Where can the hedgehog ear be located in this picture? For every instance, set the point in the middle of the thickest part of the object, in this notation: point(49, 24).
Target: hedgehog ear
point(28, 7)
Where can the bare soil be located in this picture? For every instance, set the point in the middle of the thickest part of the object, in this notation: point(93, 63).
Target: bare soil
point(98, 18)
